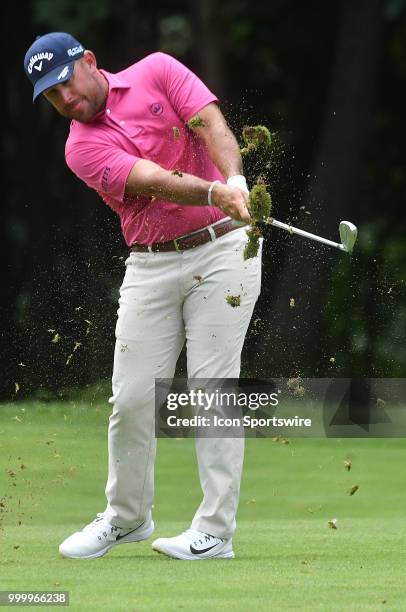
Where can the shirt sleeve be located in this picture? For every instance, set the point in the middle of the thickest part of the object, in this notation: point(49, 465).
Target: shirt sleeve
point(186, 92)
point(102, 167)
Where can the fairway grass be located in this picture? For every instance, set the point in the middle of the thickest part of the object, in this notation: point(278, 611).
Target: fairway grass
point(52, 475)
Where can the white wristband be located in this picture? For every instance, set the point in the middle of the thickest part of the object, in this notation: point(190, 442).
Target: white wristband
point(212, 186)
point(238, 180)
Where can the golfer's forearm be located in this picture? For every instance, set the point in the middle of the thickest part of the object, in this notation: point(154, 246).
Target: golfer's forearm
point(149, 179)
point(223, 149)
point(221, 143)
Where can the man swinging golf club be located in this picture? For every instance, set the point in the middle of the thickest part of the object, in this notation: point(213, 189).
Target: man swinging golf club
point(176, 185)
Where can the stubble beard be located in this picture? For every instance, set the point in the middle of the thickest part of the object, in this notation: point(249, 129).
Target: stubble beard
point(96, 103)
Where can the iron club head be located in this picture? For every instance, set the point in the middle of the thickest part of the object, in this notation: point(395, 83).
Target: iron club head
point(348, 235)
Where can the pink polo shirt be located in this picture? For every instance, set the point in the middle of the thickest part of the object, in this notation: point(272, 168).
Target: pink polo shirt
point(147, 108)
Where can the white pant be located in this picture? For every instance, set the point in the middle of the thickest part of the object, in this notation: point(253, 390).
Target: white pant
point(166, 298)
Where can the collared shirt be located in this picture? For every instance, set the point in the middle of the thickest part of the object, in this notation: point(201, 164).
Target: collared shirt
point(147, 108)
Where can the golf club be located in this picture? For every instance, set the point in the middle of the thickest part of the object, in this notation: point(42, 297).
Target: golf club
point(347, 230)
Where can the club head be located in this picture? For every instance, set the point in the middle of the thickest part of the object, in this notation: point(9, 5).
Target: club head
point(348, 235)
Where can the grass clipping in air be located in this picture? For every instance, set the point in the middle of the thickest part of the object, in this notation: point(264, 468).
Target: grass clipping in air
point(257, 139)
point(233, 300)
point(260, 206)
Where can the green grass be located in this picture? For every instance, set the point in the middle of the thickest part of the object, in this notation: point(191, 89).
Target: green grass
point(287, 558)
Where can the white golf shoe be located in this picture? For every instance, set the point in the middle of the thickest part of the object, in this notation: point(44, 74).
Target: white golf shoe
point(193, 545)
point(100, 536)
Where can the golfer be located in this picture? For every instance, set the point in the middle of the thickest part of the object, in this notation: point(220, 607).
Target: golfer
point(176, 185)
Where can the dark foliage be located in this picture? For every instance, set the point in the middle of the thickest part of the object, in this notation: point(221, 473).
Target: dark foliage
point(326, 77)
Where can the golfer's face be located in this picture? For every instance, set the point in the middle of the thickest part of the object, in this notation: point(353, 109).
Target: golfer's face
point(81, 97)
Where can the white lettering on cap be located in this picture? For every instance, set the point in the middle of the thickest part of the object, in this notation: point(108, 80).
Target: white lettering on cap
point(38, 56)
point(75, 50)
point(63, 74)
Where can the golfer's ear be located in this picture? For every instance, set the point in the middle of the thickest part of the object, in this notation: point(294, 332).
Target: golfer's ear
point(89, 59)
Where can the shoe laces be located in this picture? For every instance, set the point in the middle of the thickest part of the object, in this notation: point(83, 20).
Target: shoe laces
point(100, 524)
point(200, 537)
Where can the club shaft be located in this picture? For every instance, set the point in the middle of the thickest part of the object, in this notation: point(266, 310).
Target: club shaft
point(300, 232)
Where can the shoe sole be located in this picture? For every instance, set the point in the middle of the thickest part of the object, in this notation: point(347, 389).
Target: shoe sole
point(139, 537)
point(179, 556)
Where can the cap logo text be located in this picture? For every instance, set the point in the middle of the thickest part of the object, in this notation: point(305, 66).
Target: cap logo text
point(38, 56)
point(63, 74)
point(75, 50)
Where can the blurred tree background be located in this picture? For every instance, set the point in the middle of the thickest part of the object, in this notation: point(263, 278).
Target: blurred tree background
point(326, 77)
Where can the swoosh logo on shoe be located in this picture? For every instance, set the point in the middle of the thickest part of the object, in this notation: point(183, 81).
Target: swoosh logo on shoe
point(194, 551)
point(120, 537)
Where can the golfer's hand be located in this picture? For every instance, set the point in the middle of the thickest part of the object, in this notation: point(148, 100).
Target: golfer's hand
point(232, 201)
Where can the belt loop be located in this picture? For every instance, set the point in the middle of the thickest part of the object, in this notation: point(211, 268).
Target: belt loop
point(150, 249)
point(212, 233)
point(175, 242)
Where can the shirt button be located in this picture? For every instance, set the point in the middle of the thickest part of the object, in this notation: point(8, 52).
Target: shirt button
point(122, 122)
point(108, 111)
